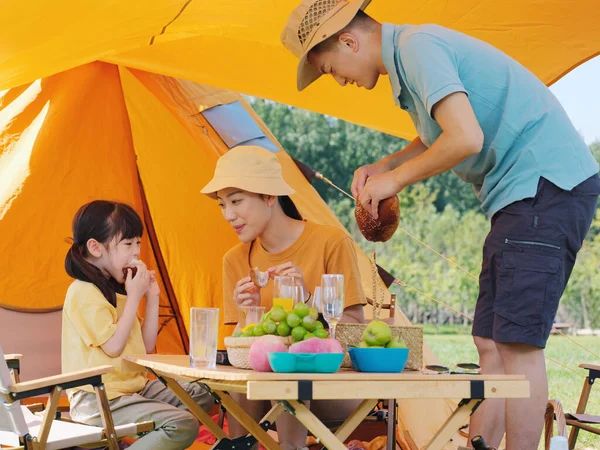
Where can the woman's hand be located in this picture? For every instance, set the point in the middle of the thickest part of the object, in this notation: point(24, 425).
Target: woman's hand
point(289, 269)
point(246, 293)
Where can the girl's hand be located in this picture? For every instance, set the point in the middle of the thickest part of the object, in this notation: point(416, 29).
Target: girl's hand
point(137, 286)
point(246, 293)
point(289, 269)
point(153, 288)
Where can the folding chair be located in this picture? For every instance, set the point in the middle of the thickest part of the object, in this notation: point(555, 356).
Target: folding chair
point(13, 362)
point(580, 420)
point(23, 430)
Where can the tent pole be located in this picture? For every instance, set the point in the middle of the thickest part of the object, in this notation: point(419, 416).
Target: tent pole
point(162, 269)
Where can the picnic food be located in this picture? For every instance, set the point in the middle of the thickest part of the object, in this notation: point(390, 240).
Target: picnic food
point(396, 342)
point(313, 345)
point(382, 228)
point(301, 323)
point(316, 345)
point(133, 266)
point(379, 334)
point(260, 279)
point(259, 350)
point(334, 345)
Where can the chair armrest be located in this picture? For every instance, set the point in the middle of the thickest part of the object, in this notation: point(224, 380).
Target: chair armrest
point(13, 361)
point(590, 366)
point(40, 386)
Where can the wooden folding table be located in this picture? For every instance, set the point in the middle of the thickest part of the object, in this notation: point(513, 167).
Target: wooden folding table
point(290, 390)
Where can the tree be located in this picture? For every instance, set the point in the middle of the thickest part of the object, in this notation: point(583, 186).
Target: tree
point(331, 146)
point(441, 211)
point(337, 148)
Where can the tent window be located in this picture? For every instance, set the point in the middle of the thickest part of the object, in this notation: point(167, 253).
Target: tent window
point(237, 127)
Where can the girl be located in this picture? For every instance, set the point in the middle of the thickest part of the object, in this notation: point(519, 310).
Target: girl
point(254, 199)
point(100, 326)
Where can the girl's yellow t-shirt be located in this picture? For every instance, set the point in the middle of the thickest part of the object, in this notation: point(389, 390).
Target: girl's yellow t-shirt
point(88, 321)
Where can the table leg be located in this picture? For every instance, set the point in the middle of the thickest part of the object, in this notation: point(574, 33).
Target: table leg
point(454, 422)
point(273, 414)
point(391, 428)
point(355, 419)
point(316, 427)
point(194, 408)
point(248, 422)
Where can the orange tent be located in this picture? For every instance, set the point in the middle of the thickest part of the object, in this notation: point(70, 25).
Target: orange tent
point(74, 127)
point(234, 44)
point(103, 131)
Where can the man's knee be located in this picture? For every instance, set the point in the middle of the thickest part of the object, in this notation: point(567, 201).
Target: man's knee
point(484, 345)
point(486, 348)
point(514, 352)
point(489, 357)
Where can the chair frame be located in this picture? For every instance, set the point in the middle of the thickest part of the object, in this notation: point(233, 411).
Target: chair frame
point(53, 386)
point(593, 374)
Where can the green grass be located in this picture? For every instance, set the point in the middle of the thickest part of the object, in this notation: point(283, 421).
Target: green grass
point(446, 329)
point(564, 385)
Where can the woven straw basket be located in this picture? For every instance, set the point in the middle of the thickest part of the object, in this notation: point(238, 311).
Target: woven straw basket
point(350, 334)
point(238, 350)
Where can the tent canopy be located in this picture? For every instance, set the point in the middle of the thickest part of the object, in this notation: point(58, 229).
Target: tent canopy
point(107, 131)
point(234, 44)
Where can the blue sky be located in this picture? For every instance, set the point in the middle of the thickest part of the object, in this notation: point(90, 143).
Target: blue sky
point(579, 93)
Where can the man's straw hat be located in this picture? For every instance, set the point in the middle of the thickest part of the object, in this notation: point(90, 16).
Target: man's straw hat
point(311, 23)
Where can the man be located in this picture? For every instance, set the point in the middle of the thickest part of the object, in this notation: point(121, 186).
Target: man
point(480, 113)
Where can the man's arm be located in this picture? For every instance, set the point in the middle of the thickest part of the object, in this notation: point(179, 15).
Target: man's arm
point(412, 150)
point(390, 162)
point(461, 137)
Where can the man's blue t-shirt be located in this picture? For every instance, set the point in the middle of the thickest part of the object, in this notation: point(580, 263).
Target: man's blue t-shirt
point(527, 134)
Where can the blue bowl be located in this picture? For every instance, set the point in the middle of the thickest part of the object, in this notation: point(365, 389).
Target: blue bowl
point(382, 360)
point(284, 362)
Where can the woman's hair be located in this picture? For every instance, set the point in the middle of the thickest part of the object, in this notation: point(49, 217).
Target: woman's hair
point(288, 206)
point(103, 221)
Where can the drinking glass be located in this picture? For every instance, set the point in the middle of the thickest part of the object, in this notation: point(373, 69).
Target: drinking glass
point(332, 299)
point(248, 315)
point(316, 299)
point(204, 336)
point(287, 292)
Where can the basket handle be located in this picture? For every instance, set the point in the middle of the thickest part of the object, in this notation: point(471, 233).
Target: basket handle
point(554, 408)
point(370, 302)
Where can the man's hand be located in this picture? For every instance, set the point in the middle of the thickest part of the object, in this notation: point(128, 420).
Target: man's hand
point(362, 174)
point(378, 188)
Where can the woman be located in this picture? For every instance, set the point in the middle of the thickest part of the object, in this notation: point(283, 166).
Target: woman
point(254, 199)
